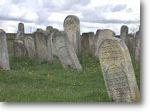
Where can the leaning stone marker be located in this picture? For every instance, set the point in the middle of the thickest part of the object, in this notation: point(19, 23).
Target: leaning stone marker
point(118, 71)
point(101, 34)
point(65, 51)
point(4, 58)
point(72, 28)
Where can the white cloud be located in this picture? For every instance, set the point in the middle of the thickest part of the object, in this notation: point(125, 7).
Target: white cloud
point(93, 14)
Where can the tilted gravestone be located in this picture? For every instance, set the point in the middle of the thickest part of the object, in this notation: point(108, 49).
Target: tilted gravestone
point(65, 51)
point(41, 45)
point(118, 71)
point(72, 28)
point(4, 57)
point(88, 44)
point(101, 34)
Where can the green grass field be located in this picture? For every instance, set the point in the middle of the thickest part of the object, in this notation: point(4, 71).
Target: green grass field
point(32, 81)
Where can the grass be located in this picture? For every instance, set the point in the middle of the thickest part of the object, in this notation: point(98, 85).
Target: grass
point(32, 81)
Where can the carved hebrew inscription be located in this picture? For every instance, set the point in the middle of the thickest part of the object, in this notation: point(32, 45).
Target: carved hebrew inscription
point(112, 62)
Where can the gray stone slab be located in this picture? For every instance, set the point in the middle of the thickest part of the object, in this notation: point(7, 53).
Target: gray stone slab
point(66, 52)
point(4, 57)
point(118, 71)
point(72, 28)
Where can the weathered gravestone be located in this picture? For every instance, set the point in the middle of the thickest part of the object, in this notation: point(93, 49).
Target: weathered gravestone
point(72, 28)
point(19, 47)
point(23, 44)
point(65, 51)
point(4, 58)
point(41, 45)
point(118, 71)
point(51, 49)
point(29, 46)
point(101, 34)
point(124, 33)
point(88, 44)
point(131, 44)
point(138, 45)
point(20, 33)
point(48, 33)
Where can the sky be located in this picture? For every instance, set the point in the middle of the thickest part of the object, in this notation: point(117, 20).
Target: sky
point(93, 14)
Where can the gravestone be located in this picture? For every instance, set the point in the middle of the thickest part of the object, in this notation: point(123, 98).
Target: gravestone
point(101, 34)
point(20, 33)
point(41, 45)
point(118, 71)
point(50, 48)
point(49, 28)
point(50, 31)
point(124, 33)
point(4, 57)
point(131, 44)
point(65, 51)
point(88, 44)
point(138, 42)
point(19, 47)
point(72, 28)
point(30, 46)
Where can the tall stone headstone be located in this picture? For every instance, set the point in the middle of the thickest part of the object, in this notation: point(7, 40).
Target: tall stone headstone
point(118, 71)
point(54, 51)
point(66, 52)
point(19, 47)
point(41, 45)
point(72, 28)
point(51, 49)
point(124, 33)
point(101, 34)
point(4, 57)
point(20, 33)
point(88, 44)
point(49, 31)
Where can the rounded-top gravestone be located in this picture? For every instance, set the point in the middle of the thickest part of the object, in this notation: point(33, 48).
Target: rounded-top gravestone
point(101, 34)
point(124, 32)
point(72, 28)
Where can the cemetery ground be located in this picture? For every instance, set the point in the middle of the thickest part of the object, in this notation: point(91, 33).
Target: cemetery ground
point(32, 81)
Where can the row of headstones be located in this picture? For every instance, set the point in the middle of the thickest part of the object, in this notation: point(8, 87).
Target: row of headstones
point(90, 41)
point(115, 62)
point(133, 41)
point(112, 52)
point(44, 45)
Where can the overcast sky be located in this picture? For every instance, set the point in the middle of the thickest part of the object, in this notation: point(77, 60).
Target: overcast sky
point(93, 14)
